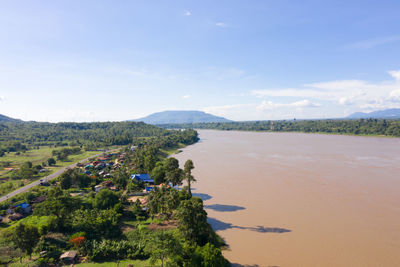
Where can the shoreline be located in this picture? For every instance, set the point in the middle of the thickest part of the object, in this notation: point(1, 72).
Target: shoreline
point(297, 132)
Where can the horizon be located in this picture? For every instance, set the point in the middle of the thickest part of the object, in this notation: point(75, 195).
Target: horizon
point(101, 61)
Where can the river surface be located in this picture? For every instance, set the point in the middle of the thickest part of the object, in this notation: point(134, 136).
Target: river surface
point(292, 199)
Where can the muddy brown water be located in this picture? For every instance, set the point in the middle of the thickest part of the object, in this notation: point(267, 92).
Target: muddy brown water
point(292, 199)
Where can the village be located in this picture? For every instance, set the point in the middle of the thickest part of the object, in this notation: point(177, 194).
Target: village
point(99, 169)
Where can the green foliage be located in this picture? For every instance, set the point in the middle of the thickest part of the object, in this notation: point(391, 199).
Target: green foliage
point(158, 173)
point(173, 173)
point(88, 135)
point(187, 172)
point(43, 223)
point(121, 178)
point(62, 154)
point(105, 199)
point(60, 204)
point(109, 250)
point(74, 178)
point(192, 221)
point(24, 237)
point(162, 246)
point(51, 161)
point(96, 223)
point(163, 201)
point(208, 256)
point(357, 127)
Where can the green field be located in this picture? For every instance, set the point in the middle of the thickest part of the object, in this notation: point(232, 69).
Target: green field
point(36, 156)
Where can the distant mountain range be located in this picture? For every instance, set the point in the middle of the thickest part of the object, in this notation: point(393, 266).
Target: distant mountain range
point(4, 118)
point(393, 113)
point(181, 116)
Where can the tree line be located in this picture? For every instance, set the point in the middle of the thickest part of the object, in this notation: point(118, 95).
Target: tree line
point(355, 127)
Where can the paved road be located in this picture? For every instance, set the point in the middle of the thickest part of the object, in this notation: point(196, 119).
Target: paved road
point(49, 177)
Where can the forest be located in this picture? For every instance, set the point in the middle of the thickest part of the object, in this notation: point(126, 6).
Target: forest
point(353, 127)
point(20, 136)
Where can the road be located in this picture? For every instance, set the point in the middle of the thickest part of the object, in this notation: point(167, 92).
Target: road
point(49, 177)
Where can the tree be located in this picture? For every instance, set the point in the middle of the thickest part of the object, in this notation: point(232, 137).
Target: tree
point(171, 164)
point(60, 204)
point(51, 161)
point(187, 172)
point(25, 237)
point(192, 221)
point(66, 180)
point(158, 173)
point(105, 199)
point(162, 246)
point(211, 256)
point(121, 178)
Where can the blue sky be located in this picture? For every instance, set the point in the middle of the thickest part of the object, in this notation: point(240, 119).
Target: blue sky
point(245, 60)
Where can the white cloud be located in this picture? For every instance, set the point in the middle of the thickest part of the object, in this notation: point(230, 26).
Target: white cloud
point(356, 93)
point(269, 105)
point(186, 96)
point(187, 13)
point(1, 98)
point(221, 24)
point(395, 74)
point(394, 95)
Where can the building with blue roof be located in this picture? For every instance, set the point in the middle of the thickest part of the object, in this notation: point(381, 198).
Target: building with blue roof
point(25, 208)
point(143, 177)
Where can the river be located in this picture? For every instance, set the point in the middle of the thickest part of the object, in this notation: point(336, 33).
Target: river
point(293, 199)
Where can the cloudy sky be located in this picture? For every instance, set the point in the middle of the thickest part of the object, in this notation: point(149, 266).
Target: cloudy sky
point(97, 60)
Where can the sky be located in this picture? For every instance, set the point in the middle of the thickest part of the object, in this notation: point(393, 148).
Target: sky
point(95, 60)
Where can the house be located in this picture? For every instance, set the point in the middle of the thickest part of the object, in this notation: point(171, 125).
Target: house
point(98, 187)
point(25, 208)
point(38, 200)
point(108, 183)
point(149, 188)
point(10, 211)
point(16, 217)
point(144, 177)
point(68, 257)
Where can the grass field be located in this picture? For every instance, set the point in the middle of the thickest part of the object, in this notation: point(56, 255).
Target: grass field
point(36, 156)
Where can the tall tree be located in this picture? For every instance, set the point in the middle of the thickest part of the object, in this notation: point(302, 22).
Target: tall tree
point(25, 237)
point(172, 172)
point(192, 221)
point(187, 172)
point(162, 246)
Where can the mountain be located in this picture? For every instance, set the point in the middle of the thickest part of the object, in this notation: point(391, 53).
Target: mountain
point(393, 113)
point(4, 118)
point(181, 116)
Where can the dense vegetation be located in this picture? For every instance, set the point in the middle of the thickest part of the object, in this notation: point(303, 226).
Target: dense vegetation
point(16, 136)
point(356, 127)
point(60, 141)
